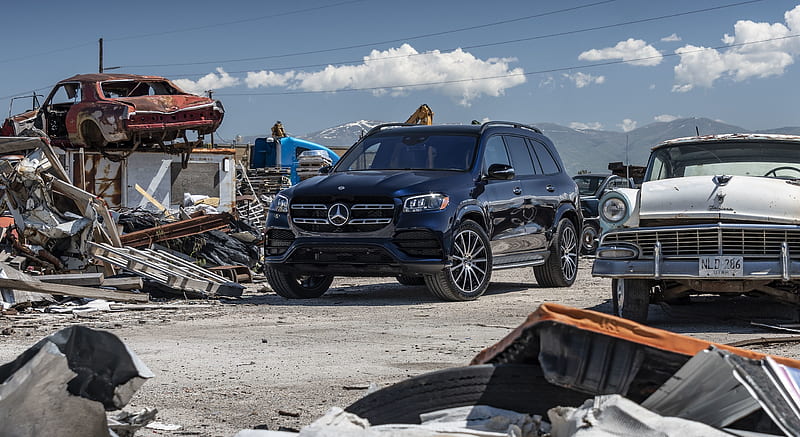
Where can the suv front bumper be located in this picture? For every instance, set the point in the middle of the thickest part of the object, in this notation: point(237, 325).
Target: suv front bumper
point(351, 257)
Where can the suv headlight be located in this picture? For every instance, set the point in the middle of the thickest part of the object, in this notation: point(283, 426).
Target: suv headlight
point(280, 204)
point(614, 209)
point(426, 202)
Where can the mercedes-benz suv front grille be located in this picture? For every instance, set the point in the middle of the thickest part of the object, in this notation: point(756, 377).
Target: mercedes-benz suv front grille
point(341, 217)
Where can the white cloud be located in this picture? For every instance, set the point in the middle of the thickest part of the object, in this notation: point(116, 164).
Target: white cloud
point(395, 71)
point(595, 125)
point(701, 67)
point(666, 118)
point(263, 78)
point(672, 38)
point(210, 81)
point(628, 50)
point(627, 125)
point(448, 73)
point(582, 79)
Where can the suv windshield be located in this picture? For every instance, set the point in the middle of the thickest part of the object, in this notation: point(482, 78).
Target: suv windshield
point(411, 152)
point(757, 158)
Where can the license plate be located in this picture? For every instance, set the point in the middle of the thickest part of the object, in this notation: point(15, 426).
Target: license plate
point(721, 266)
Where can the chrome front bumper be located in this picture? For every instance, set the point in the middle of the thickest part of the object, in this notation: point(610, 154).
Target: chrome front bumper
point(660, 267)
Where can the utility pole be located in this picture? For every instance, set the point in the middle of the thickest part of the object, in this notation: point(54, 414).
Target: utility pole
point(211, 93)
point(627, 161)
point(100, 69)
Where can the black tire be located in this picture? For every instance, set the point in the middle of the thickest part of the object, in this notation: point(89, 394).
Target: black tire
point(292, 286)
point(589, 238)
point(630, 298)
point(471, 270)
point(561, 267)
point(411, 280)
point(516, 387)
point(92, 137)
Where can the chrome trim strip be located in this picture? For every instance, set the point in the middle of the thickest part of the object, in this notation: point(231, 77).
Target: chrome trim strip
point(310, 221)
point(657, 260)
point(785, 274)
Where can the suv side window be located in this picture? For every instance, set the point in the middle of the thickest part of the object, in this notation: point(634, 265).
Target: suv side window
point(520, 156)
point(495, 152)
point(546, 160)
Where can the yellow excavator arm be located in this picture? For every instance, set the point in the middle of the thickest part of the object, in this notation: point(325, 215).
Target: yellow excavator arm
point(423, 115)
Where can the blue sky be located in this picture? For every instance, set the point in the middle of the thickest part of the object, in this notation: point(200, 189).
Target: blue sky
point(612, 65)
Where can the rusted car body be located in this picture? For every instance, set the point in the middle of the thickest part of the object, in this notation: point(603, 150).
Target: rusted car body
point(119, 111)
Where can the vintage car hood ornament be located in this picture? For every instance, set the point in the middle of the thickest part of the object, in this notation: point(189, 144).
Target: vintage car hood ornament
point(725, 199)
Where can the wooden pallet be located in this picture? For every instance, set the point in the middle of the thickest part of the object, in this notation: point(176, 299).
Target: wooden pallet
point(175, 273)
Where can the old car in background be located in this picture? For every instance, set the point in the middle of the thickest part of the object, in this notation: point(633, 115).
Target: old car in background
point(716, 214)
point(99, 111)
point(592, 186)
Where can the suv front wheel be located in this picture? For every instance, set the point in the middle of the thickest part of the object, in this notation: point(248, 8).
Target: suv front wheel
point(561, 266)
point(468, 276)
point(292, 286)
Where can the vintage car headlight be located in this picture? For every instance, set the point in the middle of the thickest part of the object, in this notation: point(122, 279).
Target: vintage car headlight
point(614, 209)
point(279, 204)
point(426, 202)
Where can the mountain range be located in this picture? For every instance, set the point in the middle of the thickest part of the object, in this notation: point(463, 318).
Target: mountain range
point(580, 149)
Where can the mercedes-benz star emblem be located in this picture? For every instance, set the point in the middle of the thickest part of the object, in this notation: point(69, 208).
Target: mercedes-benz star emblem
point(338, 214)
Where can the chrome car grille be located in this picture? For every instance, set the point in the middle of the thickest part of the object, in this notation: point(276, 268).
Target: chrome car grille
point(721, 239)
point(362, 217)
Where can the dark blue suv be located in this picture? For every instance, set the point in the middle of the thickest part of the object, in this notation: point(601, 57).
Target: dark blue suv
point(440, 206)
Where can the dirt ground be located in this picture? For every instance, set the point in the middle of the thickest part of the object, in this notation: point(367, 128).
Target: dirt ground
point(265, 361)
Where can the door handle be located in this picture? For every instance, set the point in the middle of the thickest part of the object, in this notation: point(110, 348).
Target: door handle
point(517, 190)
point(550, 188)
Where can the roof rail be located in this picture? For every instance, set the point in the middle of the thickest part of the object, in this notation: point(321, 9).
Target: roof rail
point(385, 125)
point(509, 123)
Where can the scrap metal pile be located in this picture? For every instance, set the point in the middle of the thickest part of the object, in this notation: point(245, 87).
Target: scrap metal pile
point(50, 228)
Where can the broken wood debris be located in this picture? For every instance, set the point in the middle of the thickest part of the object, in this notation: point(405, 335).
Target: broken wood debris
point(183, 228)
point(73, 290)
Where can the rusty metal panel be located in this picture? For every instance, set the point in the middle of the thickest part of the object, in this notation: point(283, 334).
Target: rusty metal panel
point(103, 177)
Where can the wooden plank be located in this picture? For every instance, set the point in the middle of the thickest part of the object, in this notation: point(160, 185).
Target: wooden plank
point(73, 290)
point(130, 283)
point(82, 279)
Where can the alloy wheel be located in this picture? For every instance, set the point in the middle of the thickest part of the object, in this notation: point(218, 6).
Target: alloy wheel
point(569, 252)
point(470, 263)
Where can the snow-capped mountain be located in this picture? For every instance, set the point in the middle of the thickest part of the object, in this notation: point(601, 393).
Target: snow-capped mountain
point(343, 135)
point(580, 149)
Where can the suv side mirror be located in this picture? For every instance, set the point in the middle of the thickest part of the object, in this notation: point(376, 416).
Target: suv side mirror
point(325, 169)
point(501, 171)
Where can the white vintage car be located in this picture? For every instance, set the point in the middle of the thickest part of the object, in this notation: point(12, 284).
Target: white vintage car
point(715, 214)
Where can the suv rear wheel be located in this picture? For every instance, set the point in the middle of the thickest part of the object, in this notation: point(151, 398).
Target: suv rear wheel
point(561, 266)
point(468, 276)
point(292, 286)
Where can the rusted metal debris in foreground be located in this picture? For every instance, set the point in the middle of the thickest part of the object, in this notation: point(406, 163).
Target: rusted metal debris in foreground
point(51, 227)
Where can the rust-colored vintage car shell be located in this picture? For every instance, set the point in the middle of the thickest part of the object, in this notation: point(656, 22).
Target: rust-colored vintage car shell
point(119, 110)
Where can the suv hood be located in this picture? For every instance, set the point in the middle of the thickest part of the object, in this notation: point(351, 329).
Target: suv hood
point(382, 183)
point(722, 198)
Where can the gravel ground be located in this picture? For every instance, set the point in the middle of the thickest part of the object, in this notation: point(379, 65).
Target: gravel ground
point(264, 361)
